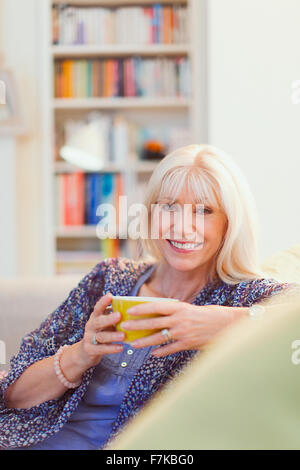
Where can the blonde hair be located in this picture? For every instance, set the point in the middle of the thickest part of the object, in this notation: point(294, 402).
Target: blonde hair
point(211, 175)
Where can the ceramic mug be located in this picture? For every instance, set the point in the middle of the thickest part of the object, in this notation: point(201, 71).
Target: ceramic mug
point(121, 303)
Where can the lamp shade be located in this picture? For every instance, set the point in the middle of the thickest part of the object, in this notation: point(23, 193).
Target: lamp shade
point(87, 147)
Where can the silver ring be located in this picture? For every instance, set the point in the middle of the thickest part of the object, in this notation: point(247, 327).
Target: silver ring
point(166, 334)
point(107, 310)
point(94, 341)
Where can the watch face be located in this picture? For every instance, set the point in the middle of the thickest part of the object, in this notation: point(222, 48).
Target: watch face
point(256, 311)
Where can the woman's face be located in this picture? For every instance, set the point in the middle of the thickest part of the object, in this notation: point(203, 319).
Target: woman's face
point(183, 221)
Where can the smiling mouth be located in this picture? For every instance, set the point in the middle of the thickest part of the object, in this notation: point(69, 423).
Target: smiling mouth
point(185, 246)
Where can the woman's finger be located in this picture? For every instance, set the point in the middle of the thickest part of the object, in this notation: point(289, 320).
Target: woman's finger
point(147, 324)
point(189, 343)
point(109, 337)
point(104, 321)
point(101, 305)
point(160, 307)
point(172, 348)
point(101, 349)
point(152, 340)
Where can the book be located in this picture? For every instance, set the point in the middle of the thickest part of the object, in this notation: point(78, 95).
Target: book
point(120, 141)
point(73, 198)
point(156, 24)
point(55, 24)
point(130, 77)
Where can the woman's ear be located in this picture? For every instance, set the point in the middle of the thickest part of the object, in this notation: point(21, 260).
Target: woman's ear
point(225, 227)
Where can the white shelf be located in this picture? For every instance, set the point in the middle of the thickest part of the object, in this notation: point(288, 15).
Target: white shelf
point(74, 231)
point(135, 166)
point(59, 51)
point(114, 3)
point(144, 167)
point(64, 167)
point(119, 103)
point(77, 231)
point(71, 256)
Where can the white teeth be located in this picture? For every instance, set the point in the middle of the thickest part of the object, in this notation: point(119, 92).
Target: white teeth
point(185, 246)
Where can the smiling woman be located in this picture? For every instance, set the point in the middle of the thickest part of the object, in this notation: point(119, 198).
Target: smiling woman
point(75, 382)
point(226, 222)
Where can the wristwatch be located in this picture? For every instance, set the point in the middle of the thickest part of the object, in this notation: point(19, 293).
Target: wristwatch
point(256, 311)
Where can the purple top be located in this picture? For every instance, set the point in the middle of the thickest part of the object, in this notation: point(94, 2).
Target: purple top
point(25, 427)
point(90, 425)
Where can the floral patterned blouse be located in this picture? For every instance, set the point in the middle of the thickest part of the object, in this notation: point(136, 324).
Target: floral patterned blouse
point(25, 427)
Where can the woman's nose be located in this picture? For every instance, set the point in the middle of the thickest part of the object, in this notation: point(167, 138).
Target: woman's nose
point(189, 227)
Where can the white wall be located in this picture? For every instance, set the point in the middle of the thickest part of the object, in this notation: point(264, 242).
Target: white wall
point(20, 46)
point(253, 57)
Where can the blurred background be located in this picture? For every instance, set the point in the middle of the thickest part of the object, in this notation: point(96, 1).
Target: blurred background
point(98, 91)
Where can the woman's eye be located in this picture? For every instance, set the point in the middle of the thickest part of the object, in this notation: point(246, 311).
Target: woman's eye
point(203, 210)
point(174, 207)
point(169, 207)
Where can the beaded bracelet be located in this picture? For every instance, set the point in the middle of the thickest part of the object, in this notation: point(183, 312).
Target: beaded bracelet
point(58, 370)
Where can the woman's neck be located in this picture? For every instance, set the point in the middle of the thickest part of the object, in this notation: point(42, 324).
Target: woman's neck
point(166, 281)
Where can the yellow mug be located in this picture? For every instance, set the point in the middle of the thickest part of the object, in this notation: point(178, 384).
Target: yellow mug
point(121, 303)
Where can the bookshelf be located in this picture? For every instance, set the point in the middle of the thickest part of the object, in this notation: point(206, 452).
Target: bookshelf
point(119, 103)
point(119, 50)
point(182, 112)
point(139, 167)
point(110, 3)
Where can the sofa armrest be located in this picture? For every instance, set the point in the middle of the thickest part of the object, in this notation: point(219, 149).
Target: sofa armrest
point(24, 304)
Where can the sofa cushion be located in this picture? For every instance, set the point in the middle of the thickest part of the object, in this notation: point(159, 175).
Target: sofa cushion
point(25, 303)
point(284, 265)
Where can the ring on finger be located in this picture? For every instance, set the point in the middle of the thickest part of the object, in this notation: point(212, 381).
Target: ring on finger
point(94, 340)
point(166, 334)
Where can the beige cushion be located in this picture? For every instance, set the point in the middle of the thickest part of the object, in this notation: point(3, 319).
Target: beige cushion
point(25, 303)
point(284, 265)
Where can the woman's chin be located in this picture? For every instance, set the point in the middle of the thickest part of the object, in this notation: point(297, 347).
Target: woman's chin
point(182, 260)
point(183, 263)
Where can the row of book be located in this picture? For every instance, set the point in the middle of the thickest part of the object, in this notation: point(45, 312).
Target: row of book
point(123, 139)
point(130, 77)
point(79, 194)
point(155, 24)
point(82, 261)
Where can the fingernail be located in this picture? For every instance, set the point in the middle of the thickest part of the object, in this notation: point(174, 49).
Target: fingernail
point(131, 310)
point(124, 325)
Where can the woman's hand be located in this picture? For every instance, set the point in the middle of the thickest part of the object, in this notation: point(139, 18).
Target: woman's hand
point(39, 382)
point(102, 326)
point(190, 326)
